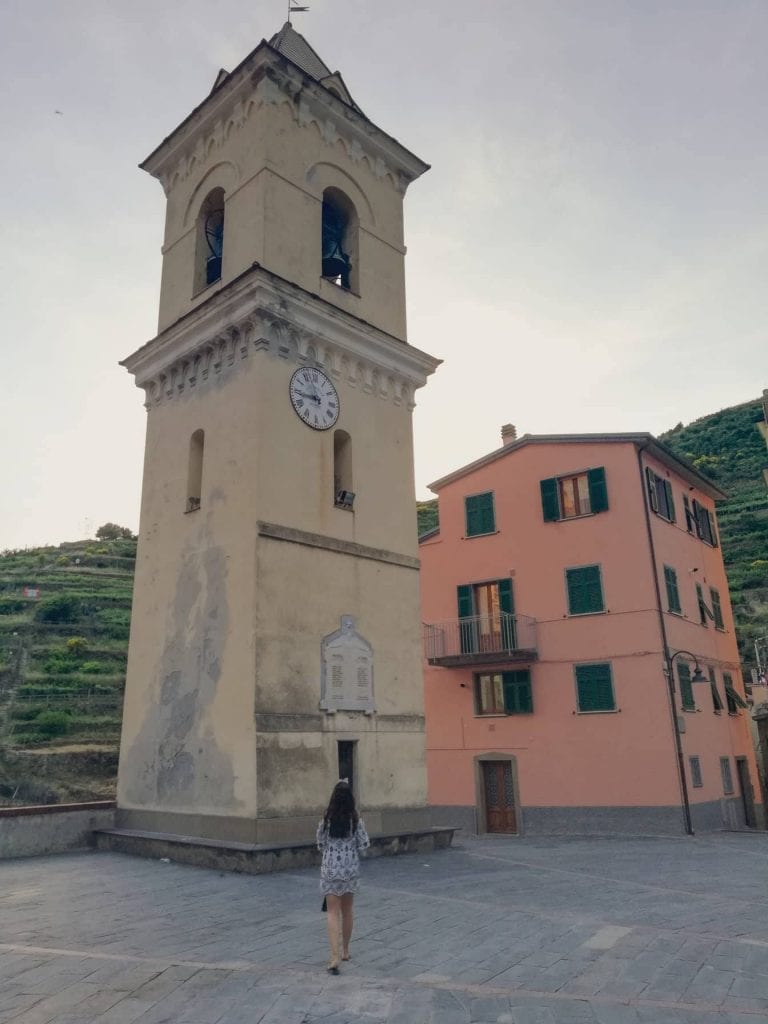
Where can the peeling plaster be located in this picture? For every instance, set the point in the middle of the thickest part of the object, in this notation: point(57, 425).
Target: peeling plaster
point(175, 760)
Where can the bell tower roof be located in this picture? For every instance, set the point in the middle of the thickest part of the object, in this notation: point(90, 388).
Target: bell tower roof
point(295, 47)
point(285, 59)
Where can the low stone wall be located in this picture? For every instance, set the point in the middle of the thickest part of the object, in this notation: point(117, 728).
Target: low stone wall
point(252, 859)
point(54, 828)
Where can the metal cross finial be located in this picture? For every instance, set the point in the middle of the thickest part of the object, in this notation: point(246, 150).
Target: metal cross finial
point(293, 8)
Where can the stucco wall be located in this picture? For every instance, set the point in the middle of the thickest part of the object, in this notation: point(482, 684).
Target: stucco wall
point(565, 759)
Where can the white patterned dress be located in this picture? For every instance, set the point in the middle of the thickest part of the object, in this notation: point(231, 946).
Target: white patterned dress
point(340, 868)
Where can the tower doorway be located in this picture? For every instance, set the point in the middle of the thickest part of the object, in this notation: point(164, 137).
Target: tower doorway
point(347, 762)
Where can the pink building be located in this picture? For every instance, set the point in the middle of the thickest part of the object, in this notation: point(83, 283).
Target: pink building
point(567, 574)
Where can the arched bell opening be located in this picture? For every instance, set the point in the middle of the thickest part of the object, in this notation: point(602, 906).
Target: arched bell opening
point(209, 252)
point(339, 246)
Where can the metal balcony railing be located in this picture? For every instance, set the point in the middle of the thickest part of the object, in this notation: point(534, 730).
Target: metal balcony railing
point(481, 639)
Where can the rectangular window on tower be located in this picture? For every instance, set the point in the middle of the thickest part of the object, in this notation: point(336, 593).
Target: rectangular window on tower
point(660, 496)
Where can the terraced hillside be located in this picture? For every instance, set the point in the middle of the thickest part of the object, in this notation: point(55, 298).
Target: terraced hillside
point(64, 622)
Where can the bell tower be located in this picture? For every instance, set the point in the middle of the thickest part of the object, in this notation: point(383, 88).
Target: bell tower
point(275, 639)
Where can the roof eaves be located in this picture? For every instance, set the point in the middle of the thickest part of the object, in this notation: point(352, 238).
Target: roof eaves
point(641, 439)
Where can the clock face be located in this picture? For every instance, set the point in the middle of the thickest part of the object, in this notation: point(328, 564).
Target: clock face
point(314, 398)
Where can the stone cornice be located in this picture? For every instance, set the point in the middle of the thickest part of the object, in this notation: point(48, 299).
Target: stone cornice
point(261, 312)
point(266, 76)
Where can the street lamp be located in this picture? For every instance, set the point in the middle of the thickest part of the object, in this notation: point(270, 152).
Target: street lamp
point(697, 677)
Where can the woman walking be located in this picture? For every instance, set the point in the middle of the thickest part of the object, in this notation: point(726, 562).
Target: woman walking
point(340, 835)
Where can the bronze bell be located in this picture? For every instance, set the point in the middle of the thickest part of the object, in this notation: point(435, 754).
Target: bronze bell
point(336, 263)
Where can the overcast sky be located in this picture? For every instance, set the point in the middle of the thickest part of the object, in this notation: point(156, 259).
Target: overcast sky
point(589, 251)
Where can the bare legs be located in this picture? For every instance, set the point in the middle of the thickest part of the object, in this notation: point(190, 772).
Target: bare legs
point(346, 923)
point(339, 922)
point(333, 923)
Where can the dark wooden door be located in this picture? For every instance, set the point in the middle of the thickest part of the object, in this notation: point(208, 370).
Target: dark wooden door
point(347, 762)
point(499, 797)
point(745, 790)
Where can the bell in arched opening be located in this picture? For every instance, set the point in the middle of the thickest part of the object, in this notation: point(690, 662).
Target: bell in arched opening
point(336, 263)
point(214, 238)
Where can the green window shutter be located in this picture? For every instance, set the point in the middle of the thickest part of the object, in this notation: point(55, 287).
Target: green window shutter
point(594, 688)
point(711, 528)
point(686, 688)
point(717, 703)
point(702, 606)
point(506, 596)
point(670, 502)
point(733, 698)
point(549, 503)
point(717, 609)
point(598, 489)
point(650, 478)
point(689, 520)
point(673, 594)
point(479, 514)
point(585, 590)
point(465, 600)
point(518, 695)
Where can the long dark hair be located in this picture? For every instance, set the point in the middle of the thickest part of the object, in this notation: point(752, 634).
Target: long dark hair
point(341, 817)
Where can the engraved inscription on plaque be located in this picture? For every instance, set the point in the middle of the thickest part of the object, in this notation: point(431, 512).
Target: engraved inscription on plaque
point(347, 670)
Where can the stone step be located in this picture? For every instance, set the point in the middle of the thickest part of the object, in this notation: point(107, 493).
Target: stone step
point(254, 859)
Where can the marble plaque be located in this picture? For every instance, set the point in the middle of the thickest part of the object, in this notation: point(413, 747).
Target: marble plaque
point(346, 681)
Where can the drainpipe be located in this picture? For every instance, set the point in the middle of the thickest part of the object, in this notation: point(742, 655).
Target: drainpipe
point(686, 806)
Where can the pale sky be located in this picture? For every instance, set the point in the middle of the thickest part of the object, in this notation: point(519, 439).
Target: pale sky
point(588, 253)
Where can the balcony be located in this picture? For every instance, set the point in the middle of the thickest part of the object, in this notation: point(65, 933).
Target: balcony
point(481, 640)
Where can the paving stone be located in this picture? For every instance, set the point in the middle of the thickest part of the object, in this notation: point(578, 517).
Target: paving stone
point(627, 926)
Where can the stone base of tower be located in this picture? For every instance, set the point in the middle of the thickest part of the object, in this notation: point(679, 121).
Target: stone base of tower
point(264, 830)
point(257, 858)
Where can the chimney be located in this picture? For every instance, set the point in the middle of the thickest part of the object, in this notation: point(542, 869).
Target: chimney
point(508, 433)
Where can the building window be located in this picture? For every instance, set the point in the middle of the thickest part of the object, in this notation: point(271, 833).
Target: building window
point(704, 612)
point(704, 523)
point(585, 590)
point(487, 617)
point(577, 494)
point(673, 594)
point(733, 698)
point(725, 771)
point(339, 240)
point(479, 514)
point(343, 493)
point(210, 240)
point(195, 471)
point(594, 688)
point(696, 779)
point(717, 609)
point(690, 522)
point(717, 703)
point(504, 693)
point(660, 495)
point(686, 687)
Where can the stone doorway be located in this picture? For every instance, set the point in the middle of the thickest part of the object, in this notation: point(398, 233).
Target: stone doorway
point(499, 797)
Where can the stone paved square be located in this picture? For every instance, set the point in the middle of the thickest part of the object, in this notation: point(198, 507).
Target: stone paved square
point(495, 931)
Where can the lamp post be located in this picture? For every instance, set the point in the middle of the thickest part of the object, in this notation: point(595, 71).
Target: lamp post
point(697, 677)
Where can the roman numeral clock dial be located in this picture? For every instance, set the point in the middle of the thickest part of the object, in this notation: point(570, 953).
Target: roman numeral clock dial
point(314, 398)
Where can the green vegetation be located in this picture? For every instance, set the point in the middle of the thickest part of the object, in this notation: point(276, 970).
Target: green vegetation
point(64, 621)
point(728, 448)
point(427, 516)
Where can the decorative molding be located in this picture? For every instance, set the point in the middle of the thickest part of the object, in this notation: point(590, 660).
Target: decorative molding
point(266, 78)
point(340, 547)
point(260, 312)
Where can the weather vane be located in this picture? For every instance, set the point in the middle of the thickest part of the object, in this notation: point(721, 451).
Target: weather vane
point(293, 8)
